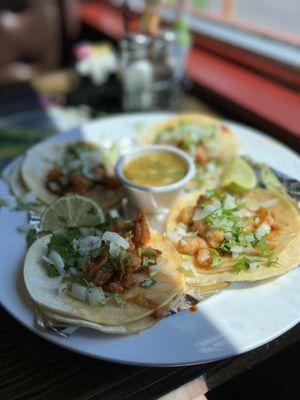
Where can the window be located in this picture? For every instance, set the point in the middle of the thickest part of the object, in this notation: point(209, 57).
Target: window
point(269, 28)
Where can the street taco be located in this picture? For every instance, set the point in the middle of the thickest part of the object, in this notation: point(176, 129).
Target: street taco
point(207, 140)
point(51, 170)
point(242, 237)
point(112, 274)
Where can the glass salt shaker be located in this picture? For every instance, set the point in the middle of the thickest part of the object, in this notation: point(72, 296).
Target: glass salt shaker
point(136, 73)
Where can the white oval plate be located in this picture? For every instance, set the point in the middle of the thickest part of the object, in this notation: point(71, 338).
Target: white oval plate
point(238, 319)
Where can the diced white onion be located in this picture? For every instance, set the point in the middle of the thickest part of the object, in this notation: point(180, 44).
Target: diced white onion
point(95, 296)
point(201, 213)
point(211, 166)
point(75, 272)
point(241, 249)
point(54, 186)
point(114, 213)
point(249, 238)
point(242, 213)
point(262, 230)
point(116, 242)
point(173, 236)
point(79, 291)
point(47, 260)
point(253, 266)
point(87, 244)
point(229, 202)
point(57, 261)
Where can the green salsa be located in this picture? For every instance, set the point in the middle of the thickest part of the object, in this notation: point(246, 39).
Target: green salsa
point(155, 169)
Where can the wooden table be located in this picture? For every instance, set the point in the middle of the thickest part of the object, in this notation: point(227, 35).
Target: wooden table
point(32, 368)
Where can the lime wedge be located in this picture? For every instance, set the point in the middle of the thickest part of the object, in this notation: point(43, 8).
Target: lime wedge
point(239, 176)
point(70, 212)
point(269, 179)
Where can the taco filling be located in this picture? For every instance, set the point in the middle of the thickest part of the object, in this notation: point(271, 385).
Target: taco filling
point(98, 264)
point(79, 170)
point(220, 225)
point(114, 273)
point(199, 142)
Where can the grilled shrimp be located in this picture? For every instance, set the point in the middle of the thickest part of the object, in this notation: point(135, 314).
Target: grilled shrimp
point(266, 217)
point(199, 226)
point(201, 155)
point(203, 257)
point(214, 237)
point(189, 245)
point(186, 214)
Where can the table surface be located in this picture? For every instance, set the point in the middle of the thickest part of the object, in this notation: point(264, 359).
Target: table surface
point(32, 368)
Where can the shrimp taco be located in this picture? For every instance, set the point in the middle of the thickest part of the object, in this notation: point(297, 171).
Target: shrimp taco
point(211, 144)
point(242, 237)
point(51, 170)
point(116, 277)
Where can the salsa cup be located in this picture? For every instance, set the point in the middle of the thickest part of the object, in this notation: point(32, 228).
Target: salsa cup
point(154, 199)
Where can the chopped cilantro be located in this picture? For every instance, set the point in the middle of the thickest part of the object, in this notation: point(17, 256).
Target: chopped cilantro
point(52, 271)
point(241, 264)
point(63, 245)
point(216, 258)
point(263, 247)
point(272, 262)
point(107, 224)
point(148, 251)
point(147, 283)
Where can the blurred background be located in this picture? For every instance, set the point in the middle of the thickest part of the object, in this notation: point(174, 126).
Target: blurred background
point(63, 62)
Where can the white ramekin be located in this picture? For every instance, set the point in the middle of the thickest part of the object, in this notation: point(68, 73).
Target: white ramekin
point(154, 199)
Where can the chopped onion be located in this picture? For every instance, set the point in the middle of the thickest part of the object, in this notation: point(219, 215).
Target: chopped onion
point(54, 186)
point(114, 213)
point(241, 249)
point(262, 230)
point(208, 209)
point(116, 242)
point(242, 213)
point(57, 261)
point(249, 238)
point(79, 291)
point(95, 296)
point(87, 244)
point(173, 236)
point(229, 202)
point(253, 266)
point(47, 260)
